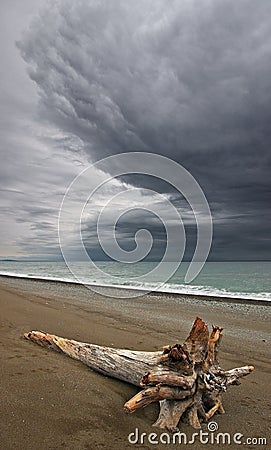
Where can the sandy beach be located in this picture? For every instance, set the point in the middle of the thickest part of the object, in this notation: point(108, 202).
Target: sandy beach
point(49, 401)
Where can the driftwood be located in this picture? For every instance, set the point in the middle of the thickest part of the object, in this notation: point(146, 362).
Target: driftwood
point(186, 379)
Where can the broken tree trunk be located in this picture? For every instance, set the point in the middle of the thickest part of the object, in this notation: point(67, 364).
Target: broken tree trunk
point(186, 379)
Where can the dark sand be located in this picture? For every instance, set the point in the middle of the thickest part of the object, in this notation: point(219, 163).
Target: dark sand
point(49, 401)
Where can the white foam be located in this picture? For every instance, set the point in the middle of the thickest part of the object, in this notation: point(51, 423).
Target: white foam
point(181, 289)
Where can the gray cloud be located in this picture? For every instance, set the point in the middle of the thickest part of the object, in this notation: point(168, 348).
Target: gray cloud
point(188, 80)
point(33, 181)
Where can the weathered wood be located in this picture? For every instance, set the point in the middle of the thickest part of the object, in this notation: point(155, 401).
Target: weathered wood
point(213, 346)
point(155, 394)
point(125, 365)
point(186, 379)
point(162, 375)
point(233, 376)
point(170, 413)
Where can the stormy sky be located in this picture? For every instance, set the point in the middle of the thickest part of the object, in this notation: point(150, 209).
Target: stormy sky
point(85, 79)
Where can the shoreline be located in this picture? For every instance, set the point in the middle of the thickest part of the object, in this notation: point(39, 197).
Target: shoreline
point(49, 401)
point(143, 291)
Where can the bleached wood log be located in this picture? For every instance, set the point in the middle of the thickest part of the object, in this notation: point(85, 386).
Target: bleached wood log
point(125, 365)
point(186, 379)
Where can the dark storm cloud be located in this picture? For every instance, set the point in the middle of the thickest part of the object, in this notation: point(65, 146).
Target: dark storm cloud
point(188, 80)
point(125, 231)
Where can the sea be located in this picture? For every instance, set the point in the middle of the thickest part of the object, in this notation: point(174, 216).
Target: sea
point(245, 280)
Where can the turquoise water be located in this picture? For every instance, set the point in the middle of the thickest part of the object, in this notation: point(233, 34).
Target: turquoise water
point(250, 280)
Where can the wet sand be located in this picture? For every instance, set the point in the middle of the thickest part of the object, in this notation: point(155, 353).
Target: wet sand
point(49, 401)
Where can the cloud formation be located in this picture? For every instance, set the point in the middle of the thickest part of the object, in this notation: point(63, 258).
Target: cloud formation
point(188, 80)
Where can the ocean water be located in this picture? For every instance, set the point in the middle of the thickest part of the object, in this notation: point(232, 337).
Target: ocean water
point(248, 280)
